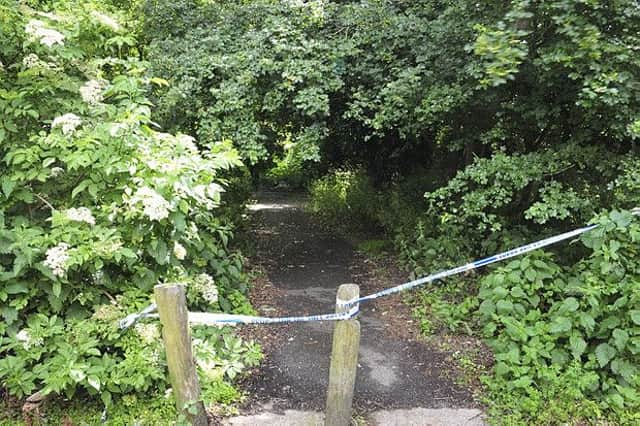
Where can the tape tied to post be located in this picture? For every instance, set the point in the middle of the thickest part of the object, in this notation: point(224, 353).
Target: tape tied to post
point(131, 319)
point(474, 265)
point(222, 319)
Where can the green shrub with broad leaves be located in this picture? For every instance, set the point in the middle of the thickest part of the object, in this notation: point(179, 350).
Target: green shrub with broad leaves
point(97, 205)
point(344, 199)
point(547, 323)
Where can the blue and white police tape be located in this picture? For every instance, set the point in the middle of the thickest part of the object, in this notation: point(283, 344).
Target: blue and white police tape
point(220, 319)
point(205, 318)
point(131, 319)
point(226, 319)
point(473, 265)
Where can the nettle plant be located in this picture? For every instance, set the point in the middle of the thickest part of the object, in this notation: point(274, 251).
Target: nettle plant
point(96, 207)
point(545, 321)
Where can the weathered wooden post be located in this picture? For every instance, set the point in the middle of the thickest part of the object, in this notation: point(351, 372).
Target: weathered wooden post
point(174, 317)
point(344, 361)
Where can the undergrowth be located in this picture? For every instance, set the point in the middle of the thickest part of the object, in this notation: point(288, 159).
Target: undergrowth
point(564, 328)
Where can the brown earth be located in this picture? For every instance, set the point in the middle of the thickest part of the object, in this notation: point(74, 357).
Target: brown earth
point(302, 265)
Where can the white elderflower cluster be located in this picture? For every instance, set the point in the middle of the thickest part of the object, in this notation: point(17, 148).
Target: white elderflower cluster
point(31, 61)
point(155, 206)
point(179, 251)
point(149, 333)
point(27, 340)
point(91, 92)
point(56, 171)
point(46, 36)
point(68, 122)
point(154, 358)
point(113, 247)
point(81, 214)
point(192, 232)
point(106, 20)
point(206, 286)
point(57, 258)
point(108, 312)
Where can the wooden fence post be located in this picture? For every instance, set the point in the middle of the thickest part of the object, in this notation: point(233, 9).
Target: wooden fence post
point(344, 362)
point(172, 309)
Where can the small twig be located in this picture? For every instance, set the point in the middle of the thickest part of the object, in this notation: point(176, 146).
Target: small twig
point(562, 170)
point(110, 297)
point(45, 201)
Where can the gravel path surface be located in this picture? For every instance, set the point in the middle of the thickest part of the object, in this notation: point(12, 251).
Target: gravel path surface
point(304, 265)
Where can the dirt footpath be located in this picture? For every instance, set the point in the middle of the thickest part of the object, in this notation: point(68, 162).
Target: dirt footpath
point(304, 265)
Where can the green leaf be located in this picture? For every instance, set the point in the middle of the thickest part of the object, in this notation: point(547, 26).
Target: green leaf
point(518, 292)
point(94, 382)
point(522, 382)
point(515, 329)
point(7, 186)
point(489, 329)
point(504, 307)
point(620, 338)
point(9, 314)
point(81, 187)
point(605, 353)
point(621, 302)
point(559, 356)
point(501, 369)
point(570, 304)
point(159, 251)
point(183, 206)
point(77, 375)
point(487, 307)
point(56, 288)
point(578, 345)
point(534, 300)
point(587, 322)
point(616, 400)
point(621, 219)
point(530, 274)
point(500, 292)
point(106, 398)
point(609, 323)
point(635, 316)
point(16, 287)
point(560, 325)
point(625, 369)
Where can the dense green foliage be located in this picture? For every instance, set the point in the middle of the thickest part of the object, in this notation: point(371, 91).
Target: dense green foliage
point(96, 207)
point(477, 134)
point(546, 322)
point(394, 84)
point(456, 129)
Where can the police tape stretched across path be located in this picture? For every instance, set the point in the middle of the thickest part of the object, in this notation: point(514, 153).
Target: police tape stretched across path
point(221, 319)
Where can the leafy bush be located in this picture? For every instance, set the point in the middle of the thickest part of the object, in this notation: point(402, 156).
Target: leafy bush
point(447, 306)
point(290, 171)
point(96, 207)
point(547, 323)
point(505, 200)
point(249, 72)
point(344, 199)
